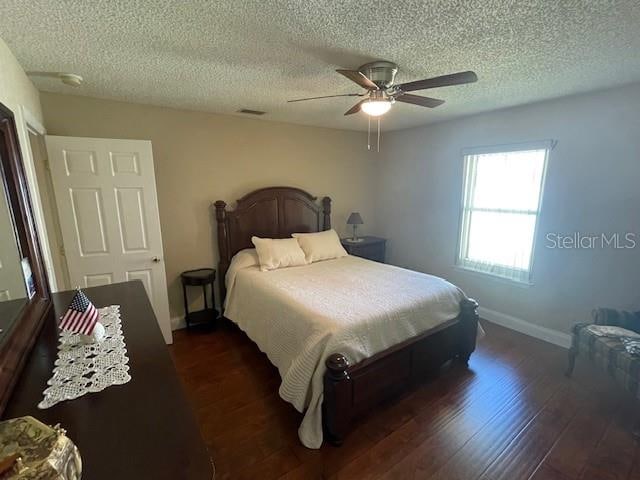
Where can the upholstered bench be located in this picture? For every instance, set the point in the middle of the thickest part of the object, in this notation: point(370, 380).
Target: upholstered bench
point(609, 352)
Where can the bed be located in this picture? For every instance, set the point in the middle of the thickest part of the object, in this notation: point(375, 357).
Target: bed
point(345, 334)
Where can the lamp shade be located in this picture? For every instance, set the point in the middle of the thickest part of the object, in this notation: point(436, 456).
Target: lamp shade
point(355, 219)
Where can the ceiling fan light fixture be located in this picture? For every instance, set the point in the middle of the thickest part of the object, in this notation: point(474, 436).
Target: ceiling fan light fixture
point(375, 108)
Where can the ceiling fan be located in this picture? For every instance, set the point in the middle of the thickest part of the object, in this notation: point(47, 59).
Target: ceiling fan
point(381, 91)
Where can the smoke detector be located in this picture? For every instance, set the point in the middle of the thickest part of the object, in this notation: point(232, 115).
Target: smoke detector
point(70, 79)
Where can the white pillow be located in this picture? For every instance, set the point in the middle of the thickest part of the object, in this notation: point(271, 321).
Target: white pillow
point(245, 258)
point(321, 245)
point(278, 253)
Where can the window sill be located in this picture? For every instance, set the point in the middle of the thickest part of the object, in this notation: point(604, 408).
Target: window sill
point(498, 278)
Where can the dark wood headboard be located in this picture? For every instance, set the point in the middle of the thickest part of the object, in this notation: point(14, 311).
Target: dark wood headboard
point(273, 212)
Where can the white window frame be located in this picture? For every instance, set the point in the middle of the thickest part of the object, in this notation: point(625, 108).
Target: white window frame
point(515, 275)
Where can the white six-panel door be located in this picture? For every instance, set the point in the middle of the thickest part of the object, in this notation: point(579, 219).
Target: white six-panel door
point(108, 208)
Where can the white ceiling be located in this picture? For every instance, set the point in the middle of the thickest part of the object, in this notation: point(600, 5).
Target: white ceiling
point(226, 55)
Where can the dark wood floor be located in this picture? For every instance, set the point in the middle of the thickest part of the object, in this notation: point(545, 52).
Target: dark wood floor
point(511, 415)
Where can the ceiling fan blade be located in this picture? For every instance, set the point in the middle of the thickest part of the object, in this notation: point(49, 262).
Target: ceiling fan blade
point(355, 108)
point(325, 96)
point(443, 81)
point(418, 100)
point(359, 78)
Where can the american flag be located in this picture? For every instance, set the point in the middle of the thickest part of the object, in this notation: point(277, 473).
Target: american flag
point(81, 316)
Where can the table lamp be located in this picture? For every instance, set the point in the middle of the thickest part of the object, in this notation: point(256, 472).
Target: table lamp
point(355, 219)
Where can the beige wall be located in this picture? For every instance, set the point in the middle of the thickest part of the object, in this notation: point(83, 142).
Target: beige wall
point(200, 158)
point(415, 185)
point(15, 87)
point(592, 186)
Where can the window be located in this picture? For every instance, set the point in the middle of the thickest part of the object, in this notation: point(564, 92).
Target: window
point(500, 207)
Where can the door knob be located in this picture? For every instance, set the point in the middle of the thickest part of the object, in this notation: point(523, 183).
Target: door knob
point(155, 260)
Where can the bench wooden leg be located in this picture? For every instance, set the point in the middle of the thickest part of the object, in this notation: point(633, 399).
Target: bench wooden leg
point(572, 361)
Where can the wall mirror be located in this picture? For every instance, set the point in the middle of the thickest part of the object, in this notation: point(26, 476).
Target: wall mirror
point(13, 291)
point(24, 292)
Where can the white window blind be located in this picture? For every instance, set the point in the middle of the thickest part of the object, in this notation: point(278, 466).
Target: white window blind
point(500, 207)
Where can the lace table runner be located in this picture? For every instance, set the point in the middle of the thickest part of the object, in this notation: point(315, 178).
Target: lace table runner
point(83, 368)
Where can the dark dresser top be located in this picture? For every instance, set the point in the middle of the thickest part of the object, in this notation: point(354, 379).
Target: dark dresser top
point(142, 429)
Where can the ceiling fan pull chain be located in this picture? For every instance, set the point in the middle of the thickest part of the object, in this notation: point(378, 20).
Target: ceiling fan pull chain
point(378, 134)
point(369, 133)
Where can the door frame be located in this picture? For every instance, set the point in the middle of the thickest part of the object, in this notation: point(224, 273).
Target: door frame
point(27, 122)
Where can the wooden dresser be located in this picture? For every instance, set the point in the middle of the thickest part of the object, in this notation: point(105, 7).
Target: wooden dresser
point(371, 248)
point(142, 429)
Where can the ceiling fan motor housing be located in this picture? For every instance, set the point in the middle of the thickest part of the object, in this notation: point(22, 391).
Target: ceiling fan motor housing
point(381, 73)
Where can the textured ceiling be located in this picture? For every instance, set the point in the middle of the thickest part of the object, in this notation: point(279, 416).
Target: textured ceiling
point(226, 55)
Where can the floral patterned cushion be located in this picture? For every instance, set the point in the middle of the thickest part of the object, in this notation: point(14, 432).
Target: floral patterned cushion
point(632, 346)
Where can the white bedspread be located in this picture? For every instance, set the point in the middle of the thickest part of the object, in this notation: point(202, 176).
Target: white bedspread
point(299, 316)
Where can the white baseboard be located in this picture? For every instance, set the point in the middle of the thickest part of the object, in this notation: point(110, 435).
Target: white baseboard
point(178, 323)
point(522, 326)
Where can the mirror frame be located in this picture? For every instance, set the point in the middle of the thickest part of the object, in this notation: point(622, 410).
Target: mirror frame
point(22, 334)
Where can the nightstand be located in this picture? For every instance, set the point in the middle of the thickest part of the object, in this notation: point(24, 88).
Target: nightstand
point(371, 248)
point(199, 278)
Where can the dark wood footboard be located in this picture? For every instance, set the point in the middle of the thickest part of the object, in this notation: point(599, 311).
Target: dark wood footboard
point(351, 390)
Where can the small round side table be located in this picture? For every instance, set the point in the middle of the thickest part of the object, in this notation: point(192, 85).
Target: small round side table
point(196, 278)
